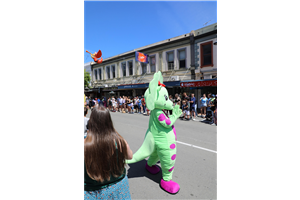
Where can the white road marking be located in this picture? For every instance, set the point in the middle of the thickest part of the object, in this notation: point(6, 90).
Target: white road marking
point(191, 145)
point(196, 146)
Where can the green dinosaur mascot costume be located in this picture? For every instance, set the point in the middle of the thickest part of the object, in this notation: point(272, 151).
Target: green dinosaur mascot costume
point(160, 138)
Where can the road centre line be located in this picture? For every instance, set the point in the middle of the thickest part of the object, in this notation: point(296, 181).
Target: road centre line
point(196, 146)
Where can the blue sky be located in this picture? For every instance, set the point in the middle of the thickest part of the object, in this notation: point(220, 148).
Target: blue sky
point(117, 27)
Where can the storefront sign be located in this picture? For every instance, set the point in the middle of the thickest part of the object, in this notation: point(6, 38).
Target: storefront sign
point(133, 86)
point(140, 57)
point(172, 83)
point(199, 83)
point(110, 88)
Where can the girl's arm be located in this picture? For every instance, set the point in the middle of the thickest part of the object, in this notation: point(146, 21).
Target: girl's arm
point(129, 152)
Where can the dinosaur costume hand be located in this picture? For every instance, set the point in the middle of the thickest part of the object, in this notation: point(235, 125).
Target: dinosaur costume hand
point(177, 111)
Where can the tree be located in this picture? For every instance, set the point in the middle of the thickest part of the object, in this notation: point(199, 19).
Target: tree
point(87, 79)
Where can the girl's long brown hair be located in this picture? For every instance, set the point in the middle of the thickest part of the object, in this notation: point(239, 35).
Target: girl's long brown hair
point(101, 157)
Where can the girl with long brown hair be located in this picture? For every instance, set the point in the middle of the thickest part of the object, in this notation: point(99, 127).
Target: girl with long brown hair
point(105, 151)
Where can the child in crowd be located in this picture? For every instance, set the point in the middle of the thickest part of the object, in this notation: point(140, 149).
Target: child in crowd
point(185, 110)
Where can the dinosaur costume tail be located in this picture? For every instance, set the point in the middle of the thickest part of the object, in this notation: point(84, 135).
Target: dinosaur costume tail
point(145, 150)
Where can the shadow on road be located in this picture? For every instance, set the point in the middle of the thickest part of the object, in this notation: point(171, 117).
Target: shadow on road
point(205, 122)
point(139, 170)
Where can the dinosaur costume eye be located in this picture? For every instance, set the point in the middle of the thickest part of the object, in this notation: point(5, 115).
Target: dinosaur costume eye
point(166, 97)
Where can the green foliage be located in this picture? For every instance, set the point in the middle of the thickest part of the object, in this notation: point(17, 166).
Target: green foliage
point(87, 79)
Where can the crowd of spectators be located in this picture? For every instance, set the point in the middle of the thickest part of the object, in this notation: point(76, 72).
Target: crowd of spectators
point(188, 104)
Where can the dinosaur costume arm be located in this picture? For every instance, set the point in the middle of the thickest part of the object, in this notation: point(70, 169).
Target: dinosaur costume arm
point(165, 121)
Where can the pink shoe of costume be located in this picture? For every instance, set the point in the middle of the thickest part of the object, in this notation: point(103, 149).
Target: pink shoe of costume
point(153, 170)
point(170, 186)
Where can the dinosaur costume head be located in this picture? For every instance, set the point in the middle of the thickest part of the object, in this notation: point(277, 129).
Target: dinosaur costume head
point(156, 96)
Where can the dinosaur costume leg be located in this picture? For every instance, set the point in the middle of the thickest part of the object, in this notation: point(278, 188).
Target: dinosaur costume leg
point(150, 166)
point(153, 159)
point(167, 160)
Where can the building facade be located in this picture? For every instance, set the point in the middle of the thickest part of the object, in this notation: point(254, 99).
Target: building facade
point(186, 58)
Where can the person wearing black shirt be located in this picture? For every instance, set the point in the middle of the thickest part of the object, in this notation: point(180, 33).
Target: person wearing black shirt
point(214, 109)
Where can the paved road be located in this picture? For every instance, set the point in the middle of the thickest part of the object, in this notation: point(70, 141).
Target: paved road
point(195, 168)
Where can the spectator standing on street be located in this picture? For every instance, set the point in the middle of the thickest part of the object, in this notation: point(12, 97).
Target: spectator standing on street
point(131, 104)
point(215, 111)
point(139, 105)
point(101, 101)
point(144, 104)
point(120, 102)
point(186, 98)
point(85, 122)
point(203, 101)
point(128, 105)
point(96, 102)
point(177, 100)
point(88, 101)
point(135, 104)
point(109, 103)
point(192, 106)
point(113, 101)
point(124, 103)
point(104, 102)
point(105, 152)
point(92, 102)
point(208, 111)
point(212, 108)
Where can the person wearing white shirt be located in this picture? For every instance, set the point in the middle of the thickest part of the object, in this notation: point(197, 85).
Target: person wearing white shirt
point(113, 100)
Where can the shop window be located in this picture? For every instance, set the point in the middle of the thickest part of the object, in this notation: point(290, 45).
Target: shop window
point(124, 69)
point(95, 71)
point(206, 54)
point(130, 67)
point(182, 59)
point(108, 72)
point(113, 71)
point(144, 68)
point(170, 60)
point(152, 64)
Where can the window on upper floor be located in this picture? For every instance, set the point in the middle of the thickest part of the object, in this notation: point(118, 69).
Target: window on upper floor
point(182, 58)
point(100, 74)
point(95, 72)
point(130, 67)
point(108, 72)
point(113, 71)
point(170, 60)
point(152, 64)
point(144, 68)
point(206, 54)
point(124, 69)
